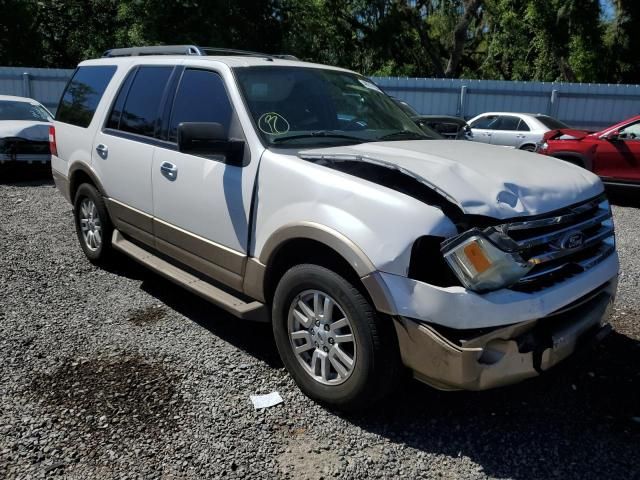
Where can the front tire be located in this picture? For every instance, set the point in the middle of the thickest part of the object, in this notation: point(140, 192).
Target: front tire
point(93, 224)
point(331, 340)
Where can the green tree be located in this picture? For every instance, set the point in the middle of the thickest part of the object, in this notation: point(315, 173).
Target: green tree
point(19, 41)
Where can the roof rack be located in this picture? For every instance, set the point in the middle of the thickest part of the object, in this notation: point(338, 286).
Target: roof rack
point(188, 50)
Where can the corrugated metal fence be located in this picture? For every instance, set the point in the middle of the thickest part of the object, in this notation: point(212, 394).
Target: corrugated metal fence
point(43, 84)
point(590, 106)
point(579, 105)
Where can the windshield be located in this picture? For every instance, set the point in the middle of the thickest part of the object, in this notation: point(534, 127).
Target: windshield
point(295, 106)
point(406, 108)
point(551, 123)
point(12, 110)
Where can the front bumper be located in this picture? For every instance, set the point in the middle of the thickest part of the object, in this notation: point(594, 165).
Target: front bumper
point(503, 355)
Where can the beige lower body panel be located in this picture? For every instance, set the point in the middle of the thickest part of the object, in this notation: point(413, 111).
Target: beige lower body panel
point(62, 184)
point(215, 261)
point(498, 358)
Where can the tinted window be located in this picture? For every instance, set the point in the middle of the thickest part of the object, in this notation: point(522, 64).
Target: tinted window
point(141, 109)
point(201, 97)
point(11, 110)
point(83, 93)
point(508, 123)
point(485, 123)
point(406, 108)
point(116, 111)
point(523, 127)
point(551, 123)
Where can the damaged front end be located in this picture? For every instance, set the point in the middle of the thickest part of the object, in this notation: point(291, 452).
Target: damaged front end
point(480, 359)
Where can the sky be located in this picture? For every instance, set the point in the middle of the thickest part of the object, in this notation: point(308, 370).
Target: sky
point(607, 8)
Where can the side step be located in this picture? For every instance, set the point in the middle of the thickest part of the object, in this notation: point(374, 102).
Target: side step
point(255, 311)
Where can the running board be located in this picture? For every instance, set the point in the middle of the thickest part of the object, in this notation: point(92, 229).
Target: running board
point(255, 311)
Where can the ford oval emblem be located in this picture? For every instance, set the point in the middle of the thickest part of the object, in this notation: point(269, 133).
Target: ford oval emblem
point(572, 240)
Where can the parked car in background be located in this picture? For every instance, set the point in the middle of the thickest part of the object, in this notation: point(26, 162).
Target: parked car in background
point(300, 194)
point(24, 130)
point(517, 130)
point(612, 153)
point(447, 126)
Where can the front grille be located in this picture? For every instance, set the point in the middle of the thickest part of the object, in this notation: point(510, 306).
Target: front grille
point(560, 246)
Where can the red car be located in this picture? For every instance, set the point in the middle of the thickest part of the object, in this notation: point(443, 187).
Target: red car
point(612, 153)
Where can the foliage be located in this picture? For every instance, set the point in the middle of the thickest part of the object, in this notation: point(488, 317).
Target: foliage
point(567, 40)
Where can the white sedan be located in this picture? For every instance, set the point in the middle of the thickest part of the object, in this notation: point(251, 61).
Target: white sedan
point(24, 130)
point(517, 130)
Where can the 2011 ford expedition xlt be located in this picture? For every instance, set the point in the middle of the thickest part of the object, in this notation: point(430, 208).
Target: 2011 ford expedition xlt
point(302, 195)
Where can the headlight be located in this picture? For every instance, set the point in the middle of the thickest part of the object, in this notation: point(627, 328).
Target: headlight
point(482, 266)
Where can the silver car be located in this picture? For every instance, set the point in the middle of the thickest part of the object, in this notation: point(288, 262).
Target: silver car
point(518, 130)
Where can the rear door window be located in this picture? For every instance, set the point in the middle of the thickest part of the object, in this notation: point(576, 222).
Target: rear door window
point(523, 127)
point(83, 93)
point(141, 112)
point(201, 97)
point(508, 123)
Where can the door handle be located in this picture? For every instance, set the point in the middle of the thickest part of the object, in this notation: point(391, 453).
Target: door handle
point(102, 150)
point(169, 170)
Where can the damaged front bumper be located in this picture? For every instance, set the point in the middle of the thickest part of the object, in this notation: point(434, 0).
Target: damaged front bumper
point(451, 359)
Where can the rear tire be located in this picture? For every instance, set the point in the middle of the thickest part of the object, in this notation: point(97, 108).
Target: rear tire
point(347, 354)
point(528, 148)
point(93, 225)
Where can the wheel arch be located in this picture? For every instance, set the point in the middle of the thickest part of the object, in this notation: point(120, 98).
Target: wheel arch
point(305, 242)
point(80, 173)
point(527, 145)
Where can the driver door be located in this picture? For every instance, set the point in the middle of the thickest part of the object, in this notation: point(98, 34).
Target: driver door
point(202, 205)
point(483, 128)
point(619, 159)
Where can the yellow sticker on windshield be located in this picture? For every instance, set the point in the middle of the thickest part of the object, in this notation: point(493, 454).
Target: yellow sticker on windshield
point(273, 123)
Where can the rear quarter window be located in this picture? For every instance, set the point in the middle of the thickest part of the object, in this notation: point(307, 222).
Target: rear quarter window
point(551, 123)
point(83, 94)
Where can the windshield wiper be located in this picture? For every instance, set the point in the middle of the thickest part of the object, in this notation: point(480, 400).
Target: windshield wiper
point(319, 134)
point(408, 134)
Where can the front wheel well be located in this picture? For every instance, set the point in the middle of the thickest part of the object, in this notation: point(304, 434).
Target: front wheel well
point(303, 250)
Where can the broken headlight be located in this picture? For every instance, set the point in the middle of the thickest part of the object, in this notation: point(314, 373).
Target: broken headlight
point(482, 266)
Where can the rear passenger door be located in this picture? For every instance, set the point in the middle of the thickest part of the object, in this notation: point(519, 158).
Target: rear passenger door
point(123, 148)
point(201, 215)
point(506, 131)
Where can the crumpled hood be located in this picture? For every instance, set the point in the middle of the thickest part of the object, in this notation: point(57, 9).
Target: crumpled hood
point(566, 132)
point(36, 131)
point(481, 179)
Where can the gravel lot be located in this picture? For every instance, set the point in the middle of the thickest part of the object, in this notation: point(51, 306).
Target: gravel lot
point(118, 374)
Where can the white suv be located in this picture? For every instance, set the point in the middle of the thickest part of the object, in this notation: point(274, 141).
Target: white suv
point(301, 195)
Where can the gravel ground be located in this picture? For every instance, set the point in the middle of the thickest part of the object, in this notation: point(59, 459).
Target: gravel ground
point(118, 374)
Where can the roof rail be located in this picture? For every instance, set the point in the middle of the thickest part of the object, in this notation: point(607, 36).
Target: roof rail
point(188, 50)
point(155, 50)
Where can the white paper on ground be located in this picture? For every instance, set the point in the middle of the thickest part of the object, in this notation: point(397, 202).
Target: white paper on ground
point(264, 401)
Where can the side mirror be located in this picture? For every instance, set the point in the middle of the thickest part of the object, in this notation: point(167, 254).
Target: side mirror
point(208, 139)
point(612, 136)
